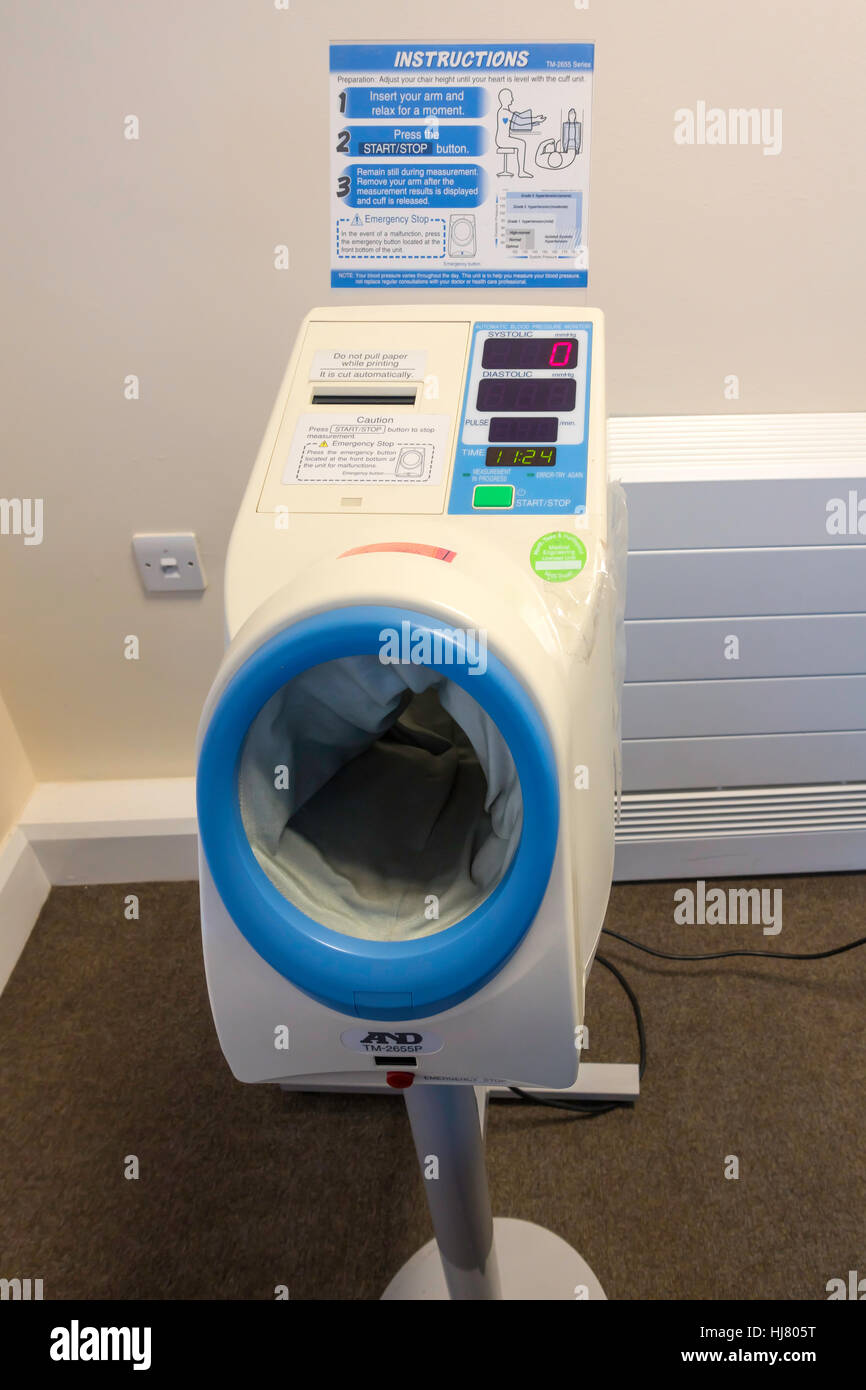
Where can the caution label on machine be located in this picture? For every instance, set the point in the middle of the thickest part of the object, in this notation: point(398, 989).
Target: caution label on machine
point(367, 449)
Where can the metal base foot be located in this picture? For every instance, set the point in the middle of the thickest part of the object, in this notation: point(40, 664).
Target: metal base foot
point(533, 1264)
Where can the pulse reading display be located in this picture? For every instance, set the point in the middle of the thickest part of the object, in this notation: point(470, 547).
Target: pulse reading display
point(523, 429)
point(521, 458)
point(531, 354)
point(530, 393)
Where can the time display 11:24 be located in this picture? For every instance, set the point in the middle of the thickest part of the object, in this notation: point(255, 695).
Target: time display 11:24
point(521, 458)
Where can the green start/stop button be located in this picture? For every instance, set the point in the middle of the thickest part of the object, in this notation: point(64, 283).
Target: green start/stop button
point(491, 495)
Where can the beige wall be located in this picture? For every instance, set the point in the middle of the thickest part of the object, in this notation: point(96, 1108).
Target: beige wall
point(155, 257)
point(16, 774)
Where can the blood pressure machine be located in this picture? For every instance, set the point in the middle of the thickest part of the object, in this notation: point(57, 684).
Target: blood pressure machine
point(408, 760)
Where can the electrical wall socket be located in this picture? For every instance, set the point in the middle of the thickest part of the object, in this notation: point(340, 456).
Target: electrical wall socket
point(169, 564)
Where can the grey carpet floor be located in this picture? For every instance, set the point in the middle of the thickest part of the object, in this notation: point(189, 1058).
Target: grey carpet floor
point(107, 1050)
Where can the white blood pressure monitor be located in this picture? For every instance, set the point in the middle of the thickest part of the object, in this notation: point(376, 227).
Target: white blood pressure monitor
point(437, 473)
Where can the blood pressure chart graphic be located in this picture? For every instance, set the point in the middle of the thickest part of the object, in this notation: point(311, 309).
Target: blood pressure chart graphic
point(460, 165)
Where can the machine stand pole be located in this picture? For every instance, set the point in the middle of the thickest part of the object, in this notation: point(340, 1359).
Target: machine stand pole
point(470, 1248)
point(447, 1133)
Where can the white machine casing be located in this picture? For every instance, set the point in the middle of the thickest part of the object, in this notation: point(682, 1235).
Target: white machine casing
point(287, 561)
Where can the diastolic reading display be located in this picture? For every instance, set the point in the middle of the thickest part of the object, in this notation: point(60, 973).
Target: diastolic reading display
point(530, 354)
point(556, 393)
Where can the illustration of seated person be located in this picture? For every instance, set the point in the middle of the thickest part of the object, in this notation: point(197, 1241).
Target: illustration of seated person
point(511, 126)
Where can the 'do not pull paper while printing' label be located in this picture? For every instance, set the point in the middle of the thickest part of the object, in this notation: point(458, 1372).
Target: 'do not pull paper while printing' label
point(367, 450)
point(367, 365)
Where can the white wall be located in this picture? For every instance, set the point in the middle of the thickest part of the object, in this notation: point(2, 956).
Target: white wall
point(155, 257)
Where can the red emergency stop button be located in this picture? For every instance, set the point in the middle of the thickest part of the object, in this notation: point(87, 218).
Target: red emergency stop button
point(399, 1079)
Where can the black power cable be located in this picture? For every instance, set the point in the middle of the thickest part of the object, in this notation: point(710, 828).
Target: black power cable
point(590, 1110)
point(723, 955)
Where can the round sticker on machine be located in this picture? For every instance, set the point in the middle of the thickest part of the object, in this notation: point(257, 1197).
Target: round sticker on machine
point(382, 1041)
point(558, 556)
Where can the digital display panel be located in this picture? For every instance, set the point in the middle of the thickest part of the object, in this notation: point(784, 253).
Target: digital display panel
point(528, 393)
point(530, 457)
point(530, 354)
point(523, 429)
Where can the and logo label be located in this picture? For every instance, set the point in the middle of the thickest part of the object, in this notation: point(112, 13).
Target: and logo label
point(387, 1043)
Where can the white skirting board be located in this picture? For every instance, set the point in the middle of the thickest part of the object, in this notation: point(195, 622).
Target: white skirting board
point(92, 832)
point(24, 886)
point(114, 832)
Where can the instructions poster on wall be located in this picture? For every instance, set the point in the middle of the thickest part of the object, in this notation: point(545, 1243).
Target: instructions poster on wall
point(462, 166)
